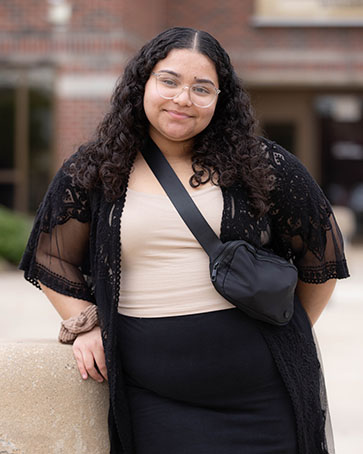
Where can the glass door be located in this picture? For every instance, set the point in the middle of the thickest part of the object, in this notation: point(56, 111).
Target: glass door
point(341, 126)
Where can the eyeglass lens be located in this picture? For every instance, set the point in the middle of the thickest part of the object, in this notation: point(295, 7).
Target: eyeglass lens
point(169, 87)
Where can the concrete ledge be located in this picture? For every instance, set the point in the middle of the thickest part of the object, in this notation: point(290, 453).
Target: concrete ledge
point(46, 408)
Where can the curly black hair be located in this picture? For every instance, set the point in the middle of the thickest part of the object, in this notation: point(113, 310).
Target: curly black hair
point(226, 152)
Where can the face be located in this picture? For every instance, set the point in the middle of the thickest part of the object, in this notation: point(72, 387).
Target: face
point(177, 119)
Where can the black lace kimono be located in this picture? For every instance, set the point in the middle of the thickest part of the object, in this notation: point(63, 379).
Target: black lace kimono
point(75, 249)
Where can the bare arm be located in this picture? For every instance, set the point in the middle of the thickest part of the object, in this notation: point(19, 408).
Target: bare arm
point(87, 348)
point(314, 297)
point(66, 306)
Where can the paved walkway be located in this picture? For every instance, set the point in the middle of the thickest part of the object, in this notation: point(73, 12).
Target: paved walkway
point(340, 335)
point(25, 313)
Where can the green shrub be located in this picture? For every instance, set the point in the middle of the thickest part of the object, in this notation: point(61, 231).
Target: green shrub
point(14, 233)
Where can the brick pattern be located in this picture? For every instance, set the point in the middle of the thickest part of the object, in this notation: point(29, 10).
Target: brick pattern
point(23, 16)
point(227, 21)
point(29, 16)
point(143, 19)
point(99, 38)
point(76, 121)
point(102, 34)
point(230, 22)
point(96, 26)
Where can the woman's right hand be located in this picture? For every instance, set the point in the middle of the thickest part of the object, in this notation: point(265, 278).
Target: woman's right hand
point(90, 356)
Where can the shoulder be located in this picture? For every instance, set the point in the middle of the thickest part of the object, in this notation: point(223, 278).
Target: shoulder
point(68, 169)
point(66, 178)
point(295, 196)
point(64, 174)
point(279, 158)
point(289, 173)
point(65, 197)
point(63, 186)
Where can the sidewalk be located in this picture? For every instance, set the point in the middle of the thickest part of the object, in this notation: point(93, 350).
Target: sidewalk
point(25, 313)
point(340, 336)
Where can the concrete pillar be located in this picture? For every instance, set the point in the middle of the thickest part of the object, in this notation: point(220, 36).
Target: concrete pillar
point(45, 406)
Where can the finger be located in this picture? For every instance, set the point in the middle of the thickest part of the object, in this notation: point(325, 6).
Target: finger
point(89, 362)
point(99, 356)
point(79, 359)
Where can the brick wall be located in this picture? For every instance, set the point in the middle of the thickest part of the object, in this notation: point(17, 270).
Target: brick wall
point(95, 27)
point(93, 46)
point(143, 19)
point(102, 34)
point(76, 120)
point(23, 16)
point(256, 50)
point(230, 22)
point(227, 21)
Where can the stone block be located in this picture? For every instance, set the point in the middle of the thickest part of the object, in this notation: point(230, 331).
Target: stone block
point(45, 406)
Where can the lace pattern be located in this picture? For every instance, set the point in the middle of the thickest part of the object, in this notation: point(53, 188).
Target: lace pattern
point(300, 225)
point(304, 226)
point(74, 249)
point(303, 379)
point(57, 250)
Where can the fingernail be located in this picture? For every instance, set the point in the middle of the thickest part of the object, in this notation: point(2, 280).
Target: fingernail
point(84, 376)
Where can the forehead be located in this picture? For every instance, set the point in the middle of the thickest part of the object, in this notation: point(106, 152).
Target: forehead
point(188, 63)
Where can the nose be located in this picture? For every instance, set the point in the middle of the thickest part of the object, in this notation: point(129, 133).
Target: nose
point(183, 98)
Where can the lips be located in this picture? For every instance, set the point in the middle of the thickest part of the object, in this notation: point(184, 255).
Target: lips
point(178, 115)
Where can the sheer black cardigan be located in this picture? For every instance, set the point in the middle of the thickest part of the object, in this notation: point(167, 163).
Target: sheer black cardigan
point(74, 249)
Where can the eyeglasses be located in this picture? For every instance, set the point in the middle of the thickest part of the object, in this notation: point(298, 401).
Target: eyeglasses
point(201, 94)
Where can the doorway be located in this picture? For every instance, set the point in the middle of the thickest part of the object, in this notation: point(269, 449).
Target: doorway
point(26, 110)
point(341, 126)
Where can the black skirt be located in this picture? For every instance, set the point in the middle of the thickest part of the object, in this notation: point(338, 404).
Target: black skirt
point(204, 384)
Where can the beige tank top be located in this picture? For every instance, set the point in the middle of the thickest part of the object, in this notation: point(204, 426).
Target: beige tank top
point(164, 270)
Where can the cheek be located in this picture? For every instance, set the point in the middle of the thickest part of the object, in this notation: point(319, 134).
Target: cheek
point(151, 109)
point(208, 117)
point(147, 109)
point(151, 102)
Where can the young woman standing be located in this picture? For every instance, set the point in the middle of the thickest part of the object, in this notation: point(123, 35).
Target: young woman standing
point(188, 372)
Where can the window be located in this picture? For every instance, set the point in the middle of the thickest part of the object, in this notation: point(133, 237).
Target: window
point(320, 13)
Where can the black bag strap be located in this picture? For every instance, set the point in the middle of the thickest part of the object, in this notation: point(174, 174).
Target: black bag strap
point(181, 200)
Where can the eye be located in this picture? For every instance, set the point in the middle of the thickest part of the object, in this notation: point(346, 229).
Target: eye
point(202, 90)
point(169, 82)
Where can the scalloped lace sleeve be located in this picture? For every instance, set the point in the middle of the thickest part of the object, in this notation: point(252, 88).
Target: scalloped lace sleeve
point(303, 224)
point(57, 251)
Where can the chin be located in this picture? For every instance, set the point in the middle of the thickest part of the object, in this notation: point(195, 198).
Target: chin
point(173, 135)
point(178, 137)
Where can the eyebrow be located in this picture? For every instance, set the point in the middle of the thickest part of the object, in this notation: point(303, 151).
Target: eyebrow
point(199, 81)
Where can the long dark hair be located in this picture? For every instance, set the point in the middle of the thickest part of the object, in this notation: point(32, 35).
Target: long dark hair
point(227, 151)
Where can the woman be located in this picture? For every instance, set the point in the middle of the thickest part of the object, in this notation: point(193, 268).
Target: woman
point(188, 372)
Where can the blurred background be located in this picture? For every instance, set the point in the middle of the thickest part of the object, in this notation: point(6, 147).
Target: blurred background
point(300, 60)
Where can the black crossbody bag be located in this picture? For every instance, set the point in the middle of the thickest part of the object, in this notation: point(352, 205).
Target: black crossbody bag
point(257, 281)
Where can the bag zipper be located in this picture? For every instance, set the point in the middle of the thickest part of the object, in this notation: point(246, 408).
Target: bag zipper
point(228, 251)
point(231, 250)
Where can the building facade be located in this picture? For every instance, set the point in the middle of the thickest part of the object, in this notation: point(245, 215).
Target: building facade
point(302, 62)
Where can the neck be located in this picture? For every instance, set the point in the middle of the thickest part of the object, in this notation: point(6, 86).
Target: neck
point(174, 151)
